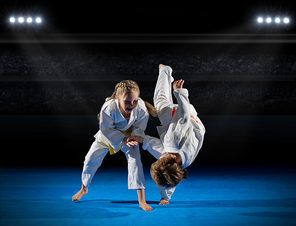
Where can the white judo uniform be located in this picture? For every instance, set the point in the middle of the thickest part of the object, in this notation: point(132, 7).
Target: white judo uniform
point(112, 124)
point(181, 131)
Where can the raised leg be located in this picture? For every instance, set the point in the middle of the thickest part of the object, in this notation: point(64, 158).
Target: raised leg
point(163, 100)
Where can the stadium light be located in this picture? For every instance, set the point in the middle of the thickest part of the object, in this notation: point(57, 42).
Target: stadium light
point(38, 20)
point(286, 20)
point(21, 20)
point(259, 19)
point(29, 20)
point(12, 19)
point(277, 20)
point(268, 20)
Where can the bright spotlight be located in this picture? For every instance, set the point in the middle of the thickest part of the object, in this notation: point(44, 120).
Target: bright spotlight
point(277, 20)
point(260, 20)
point(38, 20)
point(286, 20)
point(12, 19)
point(29, 20)
point(268, 20)
point(21, 20)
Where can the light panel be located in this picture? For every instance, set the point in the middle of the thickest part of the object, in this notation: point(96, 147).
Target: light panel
point(25, 20)
point(273, 20)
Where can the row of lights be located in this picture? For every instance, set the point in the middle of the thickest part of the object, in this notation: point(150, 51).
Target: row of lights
point(277, 20)
point(21, 20)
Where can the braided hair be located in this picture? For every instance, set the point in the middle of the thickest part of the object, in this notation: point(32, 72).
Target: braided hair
point(124, 86)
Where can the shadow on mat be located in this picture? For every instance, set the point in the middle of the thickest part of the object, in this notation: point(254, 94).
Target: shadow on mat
point(117, 202)
point(289, 202)
point(134, 202)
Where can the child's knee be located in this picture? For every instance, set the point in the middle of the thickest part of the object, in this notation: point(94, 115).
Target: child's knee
point(133, 158)
point(93, 157)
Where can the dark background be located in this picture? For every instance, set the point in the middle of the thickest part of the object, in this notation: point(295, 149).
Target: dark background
point(54, 78)
point(92, 17)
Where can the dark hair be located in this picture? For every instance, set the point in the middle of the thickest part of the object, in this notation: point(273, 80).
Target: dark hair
point(166, 172)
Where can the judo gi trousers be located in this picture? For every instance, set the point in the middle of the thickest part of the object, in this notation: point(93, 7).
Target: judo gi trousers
point(95, 157)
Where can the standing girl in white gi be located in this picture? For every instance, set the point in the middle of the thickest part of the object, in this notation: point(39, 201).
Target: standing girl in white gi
point(181, 135)
point(122, 115)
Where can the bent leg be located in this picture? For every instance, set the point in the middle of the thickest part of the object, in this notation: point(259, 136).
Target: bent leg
point(93, 161)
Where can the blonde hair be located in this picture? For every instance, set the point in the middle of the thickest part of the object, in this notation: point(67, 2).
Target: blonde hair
point(166, 172)
point(129, 86)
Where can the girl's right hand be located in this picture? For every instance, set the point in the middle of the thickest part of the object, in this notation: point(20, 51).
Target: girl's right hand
point(130, 142)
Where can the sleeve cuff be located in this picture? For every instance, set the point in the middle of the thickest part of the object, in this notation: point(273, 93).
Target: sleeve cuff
point(166, 192)
point(181, 91)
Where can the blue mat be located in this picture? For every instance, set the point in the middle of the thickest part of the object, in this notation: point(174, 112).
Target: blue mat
point(212, 195)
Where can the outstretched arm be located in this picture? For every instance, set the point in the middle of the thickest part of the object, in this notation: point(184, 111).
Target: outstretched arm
point(151, 144)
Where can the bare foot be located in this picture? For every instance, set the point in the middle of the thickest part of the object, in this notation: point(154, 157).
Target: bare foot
point(141, 199)
point(163, 202)
point(160, 66)
point(145, 206)
point(83, 191)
